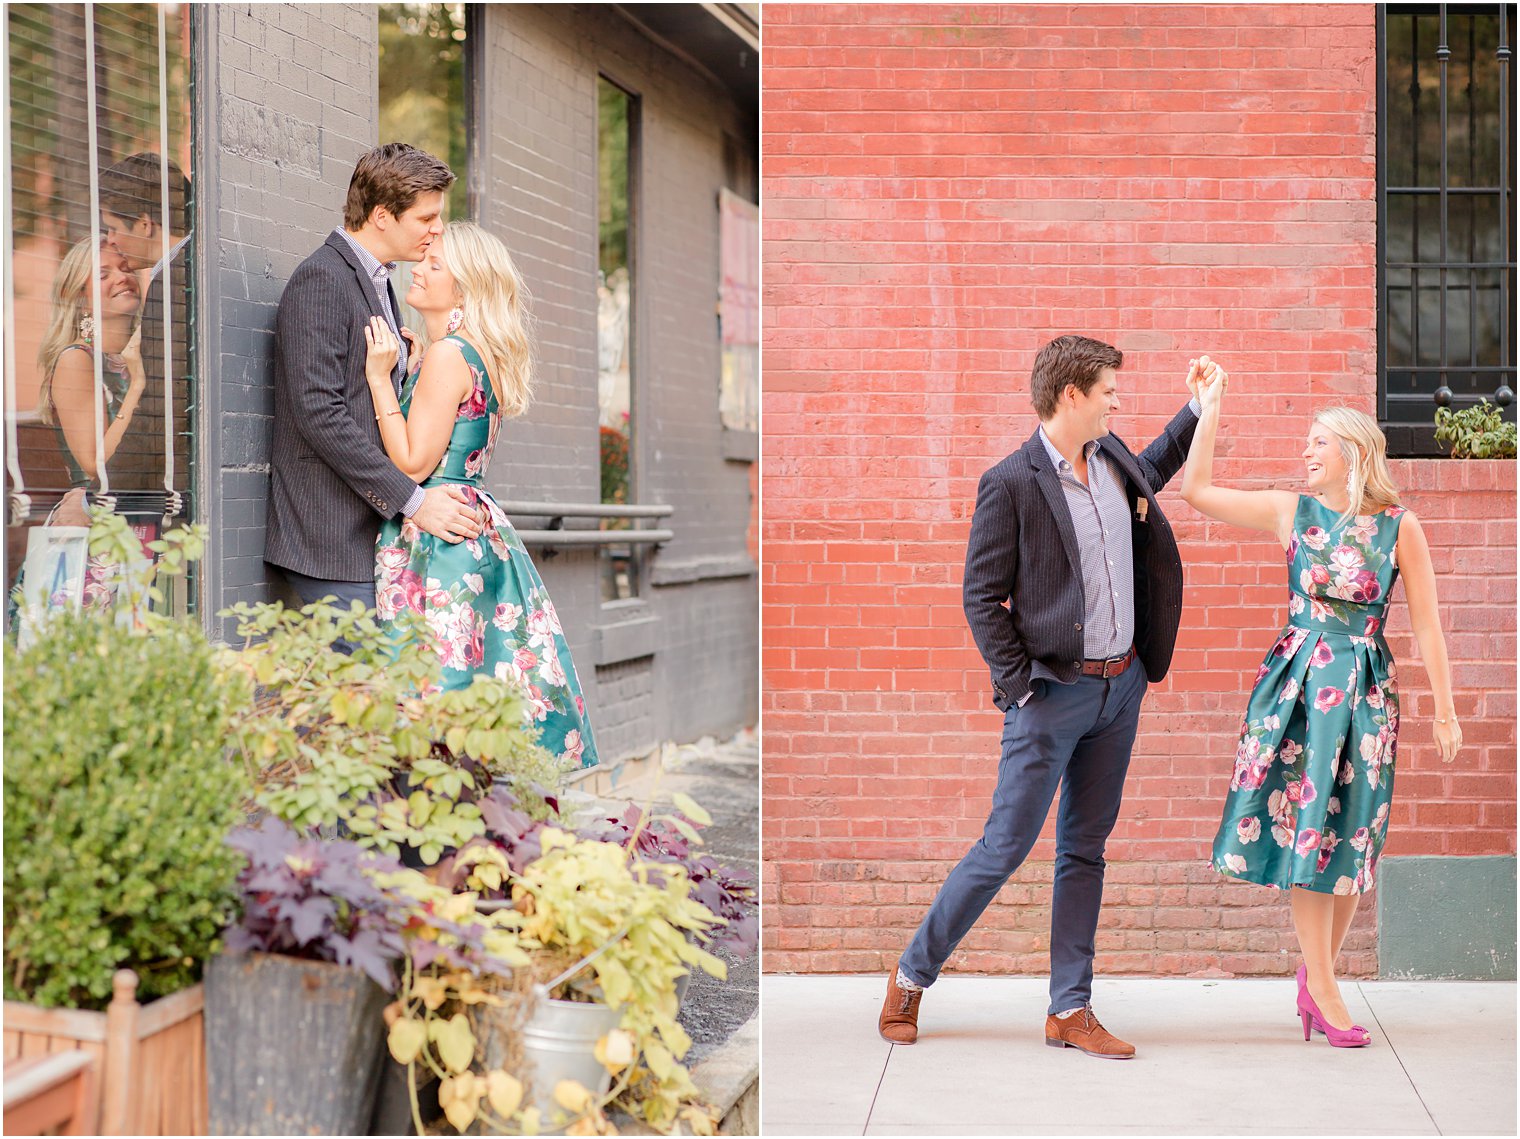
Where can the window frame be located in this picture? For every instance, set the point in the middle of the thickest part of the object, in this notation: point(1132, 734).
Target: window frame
point(638, 599)
point(1417, 440)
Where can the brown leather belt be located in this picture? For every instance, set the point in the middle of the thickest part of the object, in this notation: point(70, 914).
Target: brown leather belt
point(1110, 668)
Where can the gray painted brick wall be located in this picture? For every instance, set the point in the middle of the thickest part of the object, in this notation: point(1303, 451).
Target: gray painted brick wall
point(289, 100)
point(539, 193)
point(625, 720)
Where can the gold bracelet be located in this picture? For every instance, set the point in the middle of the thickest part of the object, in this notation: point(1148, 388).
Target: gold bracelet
point(396, 412)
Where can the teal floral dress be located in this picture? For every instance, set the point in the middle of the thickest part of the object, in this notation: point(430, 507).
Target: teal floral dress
point(1308, 802)
point(483, 600)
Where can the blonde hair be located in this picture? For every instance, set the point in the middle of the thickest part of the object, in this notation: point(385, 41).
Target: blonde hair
point(495, 310)
point(1369, 483)
point(68, 309)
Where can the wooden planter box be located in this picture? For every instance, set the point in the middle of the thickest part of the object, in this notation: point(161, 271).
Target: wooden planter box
point(152, 1058)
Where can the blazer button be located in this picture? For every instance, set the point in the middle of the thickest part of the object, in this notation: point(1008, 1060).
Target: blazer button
point(1076, 664)
point(1078, 626)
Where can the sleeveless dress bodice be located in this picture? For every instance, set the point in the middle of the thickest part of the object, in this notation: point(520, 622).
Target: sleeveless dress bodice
point(485, 605)
point(1313, 776)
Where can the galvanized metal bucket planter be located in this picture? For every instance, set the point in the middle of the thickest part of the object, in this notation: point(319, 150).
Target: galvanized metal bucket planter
point(557, 1042)
point(292, 1047)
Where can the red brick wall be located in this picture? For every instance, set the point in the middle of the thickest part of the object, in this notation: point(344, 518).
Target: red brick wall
point(946, 188)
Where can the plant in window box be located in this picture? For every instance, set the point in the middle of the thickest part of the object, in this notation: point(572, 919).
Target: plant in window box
point(117, 801)
point(364, 739)
point(1477, 432)
point(614, 464)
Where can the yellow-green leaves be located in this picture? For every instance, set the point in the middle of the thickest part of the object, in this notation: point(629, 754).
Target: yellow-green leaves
point(688, 807)
point(460, 1099)
point(406, 1040)
point(504, 1092)
point(659, 1059)
point(455, 1041)
point(615, 1051)
point(573, 1096)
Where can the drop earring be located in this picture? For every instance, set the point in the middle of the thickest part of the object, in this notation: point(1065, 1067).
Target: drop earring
point(456, 318)
point(87, 331)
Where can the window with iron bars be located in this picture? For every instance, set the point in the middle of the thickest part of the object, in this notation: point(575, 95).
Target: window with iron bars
point(1446, 215)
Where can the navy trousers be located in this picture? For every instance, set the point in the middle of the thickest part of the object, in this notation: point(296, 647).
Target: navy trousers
point(310, 589)
point(342, 593)
point(1077, 736)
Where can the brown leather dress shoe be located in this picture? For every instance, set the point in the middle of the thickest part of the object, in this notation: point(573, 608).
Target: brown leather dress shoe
point(1081, 1030)
point(899, 1013)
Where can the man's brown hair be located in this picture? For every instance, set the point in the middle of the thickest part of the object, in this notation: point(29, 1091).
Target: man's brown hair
point(392, 175)
point(134, 186)
point(1077, 360)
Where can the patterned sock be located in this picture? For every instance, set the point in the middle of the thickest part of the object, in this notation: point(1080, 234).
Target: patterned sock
point(906, 985)
point(1070, 1012)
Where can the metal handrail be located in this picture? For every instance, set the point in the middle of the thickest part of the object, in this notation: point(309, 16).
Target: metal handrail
point(556, 534)
point(584, 510)
point(594, 537)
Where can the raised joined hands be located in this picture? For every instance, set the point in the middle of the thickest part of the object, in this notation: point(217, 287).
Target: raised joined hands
point(1206, 380)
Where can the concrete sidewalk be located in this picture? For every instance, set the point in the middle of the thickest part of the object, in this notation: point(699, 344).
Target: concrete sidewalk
point(1215, 1058)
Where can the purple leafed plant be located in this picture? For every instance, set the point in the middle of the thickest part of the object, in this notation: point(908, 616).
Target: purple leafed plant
point(312, 899)
point(511, 828)
point(728, 893)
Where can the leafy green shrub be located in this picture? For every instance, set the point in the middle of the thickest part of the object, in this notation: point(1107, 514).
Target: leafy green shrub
point(1477, 432)
point(360, 739)
point(118, 802)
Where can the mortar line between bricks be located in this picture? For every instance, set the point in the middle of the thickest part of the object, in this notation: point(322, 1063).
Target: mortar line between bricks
point(1366, 996)
point(870, 1111)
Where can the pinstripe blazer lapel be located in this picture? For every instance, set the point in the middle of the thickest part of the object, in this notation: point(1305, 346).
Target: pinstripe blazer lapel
point(371, 300)
point(1049, 483)
point(398, 373)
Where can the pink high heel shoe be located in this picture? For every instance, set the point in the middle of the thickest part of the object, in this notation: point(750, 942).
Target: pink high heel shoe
point(1354, 1037)
point(1302, 977)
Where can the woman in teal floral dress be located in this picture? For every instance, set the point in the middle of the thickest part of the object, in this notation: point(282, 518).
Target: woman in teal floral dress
point(1307, 809)
point(483, 601)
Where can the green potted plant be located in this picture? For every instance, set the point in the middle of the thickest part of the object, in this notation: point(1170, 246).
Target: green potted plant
point(359, 754)
point(587, 1025)
point(363, 740)
point(315, 947)
point(118, 801)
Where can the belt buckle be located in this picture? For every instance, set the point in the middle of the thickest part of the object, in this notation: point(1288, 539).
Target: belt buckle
point(1106, 663)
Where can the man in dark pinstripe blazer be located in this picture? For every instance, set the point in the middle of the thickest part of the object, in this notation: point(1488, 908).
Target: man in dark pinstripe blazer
point(331, 481)
point(1073, 590)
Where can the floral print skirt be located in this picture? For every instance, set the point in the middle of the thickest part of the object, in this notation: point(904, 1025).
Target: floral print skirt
point(488, 612)
point(1313, 780)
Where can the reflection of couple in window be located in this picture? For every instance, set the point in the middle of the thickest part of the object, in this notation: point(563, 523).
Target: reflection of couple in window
point(116, 427)
point(382, 439)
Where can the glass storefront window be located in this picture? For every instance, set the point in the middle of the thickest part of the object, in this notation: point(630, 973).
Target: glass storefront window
point(99, 261)
point(615, 333)
point(739, 308)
